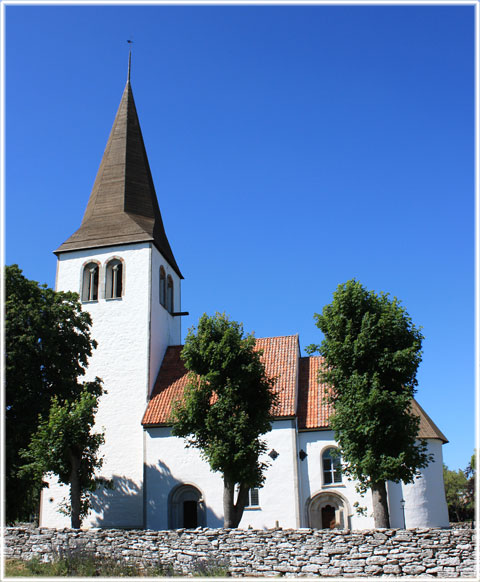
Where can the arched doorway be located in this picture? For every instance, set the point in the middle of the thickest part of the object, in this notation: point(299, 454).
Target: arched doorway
point(186, 508)
point(327, 511)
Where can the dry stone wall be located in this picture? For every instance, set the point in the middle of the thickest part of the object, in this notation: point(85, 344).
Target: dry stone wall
point(302, 552)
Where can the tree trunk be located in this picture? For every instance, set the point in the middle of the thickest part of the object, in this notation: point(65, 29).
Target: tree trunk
point(75, 492)
point(233, 511)
point(380, 504)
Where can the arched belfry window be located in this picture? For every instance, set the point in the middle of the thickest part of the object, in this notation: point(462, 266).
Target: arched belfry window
point(332, 466)
point(114, 279)
point(90, 282)
point(163, 287)
point(170, 294)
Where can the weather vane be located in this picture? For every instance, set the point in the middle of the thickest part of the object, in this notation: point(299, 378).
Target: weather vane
point(130, 42)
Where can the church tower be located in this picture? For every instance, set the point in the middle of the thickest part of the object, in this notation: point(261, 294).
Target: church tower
point(121, 264)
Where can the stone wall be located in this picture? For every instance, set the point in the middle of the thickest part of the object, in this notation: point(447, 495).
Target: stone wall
point(277, 552)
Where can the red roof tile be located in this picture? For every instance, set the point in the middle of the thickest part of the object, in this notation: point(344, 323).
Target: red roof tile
point(169, 386)
point(313, 410)
point(282, 361)
point(280, 356)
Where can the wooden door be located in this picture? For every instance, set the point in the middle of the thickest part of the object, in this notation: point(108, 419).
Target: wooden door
point(328, 517)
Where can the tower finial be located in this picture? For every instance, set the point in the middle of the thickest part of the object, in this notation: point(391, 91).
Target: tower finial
point(129, 61)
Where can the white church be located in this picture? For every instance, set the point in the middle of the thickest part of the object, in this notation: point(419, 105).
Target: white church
point(121, 264)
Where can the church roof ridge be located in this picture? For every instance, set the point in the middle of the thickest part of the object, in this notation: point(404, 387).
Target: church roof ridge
point(276, 336)
point(123, 206)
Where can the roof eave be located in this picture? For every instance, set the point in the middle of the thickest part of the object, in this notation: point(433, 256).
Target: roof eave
point(87, 246)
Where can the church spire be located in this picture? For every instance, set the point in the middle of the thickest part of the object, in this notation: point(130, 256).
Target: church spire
point(123, 206)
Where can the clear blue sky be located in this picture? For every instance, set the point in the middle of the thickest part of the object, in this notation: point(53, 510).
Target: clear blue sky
point(292, 148)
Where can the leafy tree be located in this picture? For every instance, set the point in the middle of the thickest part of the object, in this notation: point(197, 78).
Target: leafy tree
point(372, 351)
point(65, 445)
point(47, 343)
point(226, 407)
point(470, 474)
point(455, 493)
point(460, 492)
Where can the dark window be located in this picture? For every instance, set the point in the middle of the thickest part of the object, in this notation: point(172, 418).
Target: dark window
point(332, 466)
point(253, 498)
point(90, 282)
point(114, 279)
point(163, 284)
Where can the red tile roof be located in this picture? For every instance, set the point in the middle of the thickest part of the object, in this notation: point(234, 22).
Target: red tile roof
point(282, 361)
point(169, 386)
point(313, 410)
point(280, 356)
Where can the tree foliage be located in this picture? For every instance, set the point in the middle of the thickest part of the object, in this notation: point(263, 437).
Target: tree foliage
point(226, 407)
point(460, 492)
point(470, 474)
point(65, 445)
point(372, 351)
point(48, 342)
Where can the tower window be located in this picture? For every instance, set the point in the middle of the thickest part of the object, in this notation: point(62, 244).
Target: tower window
point(170, 294)
point(90, 282)
point(114, 279)
point(332, 466)
point(163, 287)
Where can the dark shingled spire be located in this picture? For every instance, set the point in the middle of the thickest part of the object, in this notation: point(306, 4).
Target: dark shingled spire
point(123, 206)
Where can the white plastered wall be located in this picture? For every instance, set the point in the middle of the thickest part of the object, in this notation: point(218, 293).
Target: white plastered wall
point(165, 329)
point(170, 464)
point(425, 504)
point(278, 498)
point(121, 329)
point(314, 443)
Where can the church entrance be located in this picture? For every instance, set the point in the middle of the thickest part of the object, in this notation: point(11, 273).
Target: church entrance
point(328, 517)
point(190, 517)
point(327, 511)
point(186, 508)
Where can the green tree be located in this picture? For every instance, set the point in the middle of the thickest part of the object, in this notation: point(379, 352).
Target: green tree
point(226, 407)
point(65, 445)
point(455, 483)
point(470, 474)
point(372, 351)
point(47, 344)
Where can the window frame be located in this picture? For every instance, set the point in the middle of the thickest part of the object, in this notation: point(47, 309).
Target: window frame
point(85, 294)
point(162, 278)
point(256, 493)
point(335, 470)
point(170, 301)
point(109, 278)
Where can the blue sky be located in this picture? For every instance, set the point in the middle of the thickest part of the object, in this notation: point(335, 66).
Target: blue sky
point(292, 148)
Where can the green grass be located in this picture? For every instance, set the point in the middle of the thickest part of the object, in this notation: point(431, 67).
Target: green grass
point(84, 564)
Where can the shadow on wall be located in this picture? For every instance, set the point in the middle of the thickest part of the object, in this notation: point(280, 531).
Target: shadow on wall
point(164, 493)
point(122, 506)
point(119, 506)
